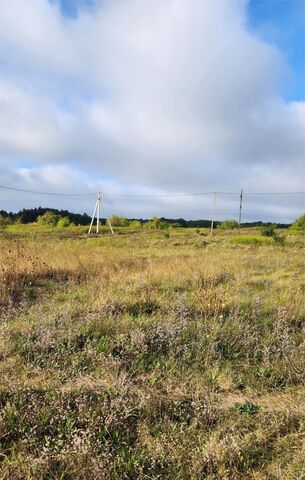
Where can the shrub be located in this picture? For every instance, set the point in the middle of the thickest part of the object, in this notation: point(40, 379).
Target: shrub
point(48, 218)
point(157, 224)
point(228, 225)
point(280, 240)
point(4, 221)
point(162, 225)
point(135, 224)
point(299, 224)
point(64, 222)
point(119, 221)
point(149, 225)
point(269, 231)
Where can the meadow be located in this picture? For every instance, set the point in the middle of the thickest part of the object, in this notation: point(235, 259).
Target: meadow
point(151, 355)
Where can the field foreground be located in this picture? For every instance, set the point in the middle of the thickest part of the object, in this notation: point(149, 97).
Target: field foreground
point(146, 356)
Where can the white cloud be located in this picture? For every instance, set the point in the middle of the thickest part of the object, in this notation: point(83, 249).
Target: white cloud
point(174, 95)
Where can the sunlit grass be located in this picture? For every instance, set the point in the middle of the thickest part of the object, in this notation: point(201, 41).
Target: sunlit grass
point(144, 356)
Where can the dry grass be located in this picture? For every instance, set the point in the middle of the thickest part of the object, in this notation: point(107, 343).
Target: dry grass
point(145, 357)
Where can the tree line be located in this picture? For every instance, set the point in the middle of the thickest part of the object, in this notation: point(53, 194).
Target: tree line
point(43, 215)
point(30, 215)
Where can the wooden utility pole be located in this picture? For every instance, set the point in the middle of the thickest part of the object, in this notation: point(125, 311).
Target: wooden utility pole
point(240, 206)
point(213, 212)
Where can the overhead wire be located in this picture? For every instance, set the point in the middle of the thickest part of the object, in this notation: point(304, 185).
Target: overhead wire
point(46, 193)
point(152, 195)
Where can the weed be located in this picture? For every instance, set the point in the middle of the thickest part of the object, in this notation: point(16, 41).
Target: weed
point(248, 408)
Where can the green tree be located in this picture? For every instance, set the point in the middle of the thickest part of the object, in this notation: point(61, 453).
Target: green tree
point(64, 222)
point(159, 223)
point(119, 221)
point(48, 218)
point(228, 225)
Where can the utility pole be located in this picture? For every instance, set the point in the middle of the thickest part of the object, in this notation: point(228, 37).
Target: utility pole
point(97, 214)
point(98, 202)
point(93, 215)
point(110, 226)
point(213, 213)
point(240, 206)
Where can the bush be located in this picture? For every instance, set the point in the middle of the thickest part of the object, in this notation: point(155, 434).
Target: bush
point(269, 231)
point(48, 218)
point(299, 224)
point(162, 225)
point(135, 224)
point(4, 221)
point(149, 225)
point(228, 225)
point(279, 239)
point(119, 221)
point(64, 222)
point(157, 223)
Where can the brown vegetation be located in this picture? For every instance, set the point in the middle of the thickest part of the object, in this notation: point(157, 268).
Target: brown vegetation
point(144, 357)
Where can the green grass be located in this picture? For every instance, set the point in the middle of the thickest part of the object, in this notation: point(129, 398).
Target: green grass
point(138, 356)
point(252, 240)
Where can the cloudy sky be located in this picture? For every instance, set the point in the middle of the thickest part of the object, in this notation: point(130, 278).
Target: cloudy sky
point(154, 97)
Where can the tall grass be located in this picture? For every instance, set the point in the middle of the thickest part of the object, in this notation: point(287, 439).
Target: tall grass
point(144, 357)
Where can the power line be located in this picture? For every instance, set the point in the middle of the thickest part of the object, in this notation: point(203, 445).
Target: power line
point(273, 193)
point(109, 194)
point(46, 193)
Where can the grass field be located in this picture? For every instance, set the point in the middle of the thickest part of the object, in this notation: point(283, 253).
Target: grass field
point(151, 356)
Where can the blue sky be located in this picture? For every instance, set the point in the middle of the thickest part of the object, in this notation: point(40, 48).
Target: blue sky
point(70, 8)
point(161, 96)
point(283, 22)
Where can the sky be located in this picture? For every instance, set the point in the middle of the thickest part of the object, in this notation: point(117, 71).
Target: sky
point(140, 100)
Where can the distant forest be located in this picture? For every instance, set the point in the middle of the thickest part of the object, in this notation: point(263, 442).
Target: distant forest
point(30, 215)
